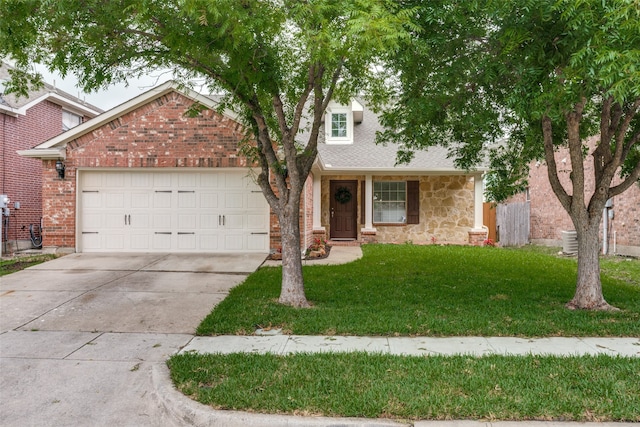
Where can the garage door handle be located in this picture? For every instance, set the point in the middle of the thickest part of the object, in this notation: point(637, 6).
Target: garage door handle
point(89, 232)
point(163, 191)
point(180, 233)
point(221, 219)
point(185, 191)
point(163, 232)
point(265, 233)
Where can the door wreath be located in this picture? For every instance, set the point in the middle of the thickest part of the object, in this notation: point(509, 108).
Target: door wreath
point(343, 195)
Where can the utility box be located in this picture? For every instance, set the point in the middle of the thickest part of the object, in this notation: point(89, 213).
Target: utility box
point(570, 242)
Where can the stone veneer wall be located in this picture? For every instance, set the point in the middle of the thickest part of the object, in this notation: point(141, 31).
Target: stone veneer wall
point(446, 210)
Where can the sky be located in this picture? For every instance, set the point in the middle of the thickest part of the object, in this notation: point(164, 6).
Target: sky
point(109, 98)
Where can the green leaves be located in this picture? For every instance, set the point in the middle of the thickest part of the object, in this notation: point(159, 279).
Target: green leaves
point(488, 71)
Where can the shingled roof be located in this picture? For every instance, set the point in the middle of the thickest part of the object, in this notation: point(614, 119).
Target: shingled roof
point(13, 104)
point(365, 155)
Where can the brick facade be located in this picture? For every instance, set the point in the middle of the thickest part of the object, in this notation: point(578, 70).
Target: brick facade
point(549, 219)
point(154, 135)
point(21, 177)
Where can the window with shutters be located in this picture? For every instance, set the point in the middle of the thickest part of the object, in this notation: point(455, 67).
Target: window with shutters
point(396, 202)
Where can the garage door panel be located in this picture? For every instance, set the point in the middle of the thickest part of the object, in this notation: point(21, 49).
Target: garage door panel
point(234, 200)
point(209, 242)
point(187, 240)
point(162, 180)
point(114, 200)
point(162, 241)
point(162, 199)
point(141, 200)
point(140, 241)
point(209, 200)
point(234, 221)
point(256, 242)
point(161, 222)
point(164, 211)
point(257, 222)
point(113, 180)
point(114, 221)
point(114, 241)
point(233, 241)
point(256, 200)
point(91, 199)
point(209, 180)
point(209, 222)
point(186, 199)
point(140, 220)
point(187, 180)
point(141, 180)
point(92, 221)
point(187, 221)
point(91, 241)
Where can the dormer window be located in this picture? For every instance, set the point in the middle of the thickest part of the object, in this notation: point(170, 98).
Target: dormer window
point(339, 121)
point(339, 125)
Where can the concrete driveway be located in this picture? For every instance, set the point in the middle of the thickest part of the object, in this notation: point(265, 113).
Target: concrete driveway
point(79, 335)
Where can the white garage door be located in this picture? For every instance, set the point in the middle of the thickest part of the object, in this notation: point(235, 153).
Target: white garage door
point(171, 211)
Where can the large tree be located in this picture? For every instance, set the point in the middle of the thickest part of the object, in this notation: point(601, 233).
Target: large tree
point(519, 79)
point(279, 62)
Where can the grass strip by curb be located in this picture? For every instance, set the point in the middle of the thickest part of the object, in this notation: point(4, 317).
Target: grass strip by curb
point(588, 388)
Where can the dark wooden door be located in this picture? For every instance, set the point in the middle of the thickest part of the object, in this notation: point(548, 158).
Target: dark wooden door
point(343, 209)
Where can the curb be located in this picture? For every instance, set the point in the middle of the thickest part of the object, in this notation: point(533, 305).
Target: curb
point(181, 410)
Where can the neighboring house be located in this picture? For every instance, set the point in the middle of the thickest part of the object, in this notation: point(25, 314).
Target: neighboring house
point(548, 219)
point(25, 123)
point(145, 177)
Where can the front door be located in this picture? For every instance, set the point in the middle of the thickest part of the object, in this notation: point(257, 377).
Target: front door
point(343, 209)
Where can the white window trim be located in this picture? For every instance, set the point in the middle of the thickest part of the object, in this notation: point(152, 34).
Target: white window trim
point(75, 113)
point(404, 217)
point(338, 109)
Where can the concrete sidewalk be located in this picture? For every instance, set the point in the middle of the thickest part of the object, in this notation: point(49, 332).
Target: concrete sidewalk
point(417, 346)
point(84, 340)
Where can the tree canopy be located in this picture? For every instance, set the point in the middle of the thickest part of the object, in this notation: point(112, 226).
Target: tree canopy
point(511, 81)
point(482, 75)
point(279, 62)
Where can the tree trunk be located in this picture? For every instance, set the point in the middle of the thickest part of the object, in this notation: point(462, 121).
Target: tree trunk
point(588, 294)
point(292, 291)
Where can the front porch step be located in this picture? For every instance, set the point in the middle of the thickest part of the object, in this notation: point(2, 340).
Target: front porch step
point(343, 242)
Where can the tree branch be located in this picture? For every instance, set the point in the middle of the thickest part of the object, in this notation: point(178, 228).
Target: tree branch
point(552, 168)
point(575, 152)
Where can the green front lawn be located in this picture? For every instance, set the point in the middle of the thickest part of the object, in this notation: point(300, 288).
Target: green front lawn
point(436, 291)
point(372, 385)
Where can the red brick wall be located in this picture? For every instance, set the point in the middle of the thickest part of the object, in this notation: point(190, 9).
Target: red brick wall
point(155, 135)
point(305, 219)
point(21, 177)
point(549, 219)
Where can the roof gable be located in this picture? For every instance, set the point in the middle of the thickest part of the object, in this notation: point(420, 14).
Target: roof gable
point(55, 147)
point(14, 105)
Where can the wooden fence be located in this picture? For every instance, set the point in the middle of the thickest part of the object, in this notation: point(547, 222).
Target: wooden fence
point(513, 223)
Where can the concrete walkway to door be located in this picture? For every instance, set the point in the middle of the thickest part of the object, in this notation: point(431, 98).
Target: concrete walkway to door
point(81, 336)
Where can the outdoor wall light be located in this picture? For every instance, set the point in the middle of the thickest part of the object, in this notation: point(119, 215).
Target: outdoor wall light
point(60, 169)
